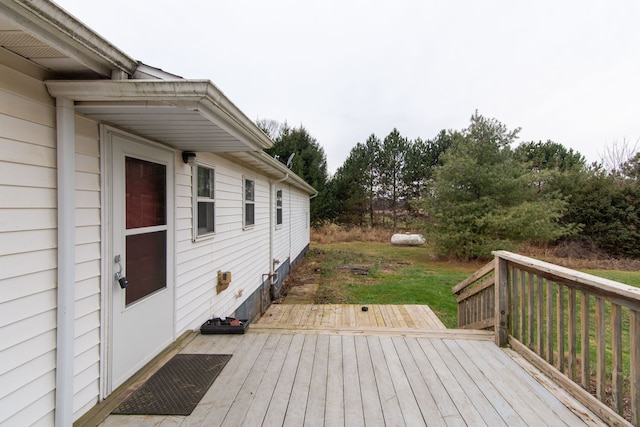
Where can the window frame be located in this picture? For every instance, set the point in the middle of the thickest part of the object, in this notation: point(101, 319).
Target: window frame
point(197, 199)
point(279, 207)
point(247, 202)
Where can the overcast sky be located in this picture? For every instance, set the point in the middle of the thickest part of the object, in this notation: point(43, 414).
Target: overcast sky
point(568, 71)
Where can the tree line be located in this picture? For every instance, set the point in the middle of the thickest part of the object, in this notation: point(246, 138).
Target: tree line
point(474, 190)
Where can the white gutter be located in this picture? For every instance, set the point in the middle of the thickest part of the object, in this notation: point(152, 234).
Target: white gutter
point(65, 124)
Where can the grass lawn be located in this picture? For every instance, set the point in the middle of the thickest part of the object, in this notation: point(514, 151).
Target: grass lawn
point(400, 275)
point(396, 275)
point(627, 277)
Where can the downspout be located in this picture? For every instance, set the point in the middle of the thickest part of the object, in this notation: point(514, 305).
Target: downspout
point(65, 128)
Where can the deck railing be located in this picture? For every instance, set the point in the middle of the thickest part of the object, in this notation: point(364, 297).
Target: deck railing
point(581, 330)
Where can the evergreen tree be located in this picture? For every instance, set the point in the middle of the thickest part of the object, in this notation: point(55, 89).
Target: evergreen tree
point(308, 162)
point(355, 183)
point(392, 168)
point(484, 199)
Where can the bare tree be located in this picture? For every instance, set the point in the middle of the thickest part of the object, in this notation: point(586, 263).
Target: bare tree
point(616, 155)
point(272, 128)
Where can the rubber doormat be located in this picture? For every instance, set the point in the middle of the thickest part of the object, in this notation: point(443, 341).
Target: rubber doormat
point(177, 387)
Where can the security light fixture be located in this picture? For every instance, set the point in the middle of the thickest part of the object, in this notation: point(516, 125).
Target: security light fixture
point(189, 157)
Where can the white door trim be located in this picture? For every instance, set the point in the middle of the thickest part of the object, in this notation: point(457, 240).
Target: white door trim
point(107, 265)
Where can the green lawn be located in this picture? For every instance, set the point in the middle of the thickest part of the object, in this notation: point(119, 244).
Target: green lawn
point(397, 275)
point(627, 277)
point(402, 275)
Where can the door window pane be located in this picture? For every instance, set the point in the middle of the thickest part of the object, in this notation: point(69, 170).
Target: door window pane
point(146, 265)
point(145, 193)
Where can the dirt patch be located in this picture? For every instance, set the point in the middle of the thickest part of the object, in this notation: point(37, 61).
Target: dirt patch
point(301, 287)
point(302, 294)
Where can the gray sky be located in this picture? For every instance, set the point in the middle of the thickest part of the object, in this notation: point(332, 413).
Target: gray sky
point(568, 71)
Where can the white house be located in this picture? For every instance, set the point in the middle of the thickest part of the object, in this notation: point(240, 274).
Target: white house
point(112, 171)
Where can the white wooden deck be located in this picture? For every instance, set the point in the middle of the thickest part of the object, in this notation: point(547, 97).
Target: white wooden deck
point(354, 378)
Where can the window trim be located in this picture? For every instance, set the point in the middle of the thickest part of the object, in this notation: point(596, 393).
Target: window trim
point(246, 202)
point(279, 208)
point(196, 199)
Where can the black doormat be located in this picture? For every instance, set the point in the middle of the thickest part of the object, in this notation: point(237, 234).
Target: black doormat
point(177, 387)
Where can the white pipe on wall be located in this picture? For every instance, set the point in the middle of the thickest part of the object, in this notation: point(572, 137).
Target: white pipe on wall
point(65, 126)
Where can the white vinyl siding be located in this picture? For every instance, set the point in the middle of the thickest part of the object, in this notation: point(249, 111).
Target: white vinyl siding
point(244, 253)
point(28, 255)
point(28, 260)
point(88, 259)
point(299, 222)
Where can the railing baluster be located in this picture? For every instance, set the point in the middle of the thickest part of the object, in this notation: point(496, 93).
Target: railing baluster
point(521, 311)
point(540, 315)
point(530, 311)
point(560, 324)
point(502, 314)
point(550, 322)
point(634, 320)
point(584, 340)
point(616, 352)
point(515, 299)
point(601, 380)
point(572, 333)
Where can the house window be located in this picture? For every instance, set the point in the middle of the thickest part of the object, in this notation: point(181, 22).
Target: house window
point(249, 202)
point(278, 207)
point(204, 201)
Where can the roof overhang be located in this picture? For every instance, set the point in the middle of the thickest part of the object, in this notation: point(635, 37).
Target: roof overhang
point(52, 38)
point(190, 115)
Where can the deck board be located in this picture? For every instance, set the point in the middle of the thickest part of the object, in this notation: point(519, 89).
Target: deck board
point(426, 402)
point(300, 391)
point(280, 399)
point(335, 384)
point(353, 413)
point(388, 398)
point(409, 408)
point(471, 388)
point(371, 407)
point(262, 398)
point(330, 369)
point(455, 388)
point(339, 316)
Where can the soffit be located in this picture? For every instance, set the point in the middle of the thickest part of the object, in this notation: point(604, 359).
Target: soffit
point(175, 126)
point(48, 36)
point(190, 115)
point(25, 45)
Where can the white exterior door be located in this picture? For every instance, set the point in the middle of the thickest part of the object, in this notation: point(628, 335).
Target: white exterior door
point(142, 313)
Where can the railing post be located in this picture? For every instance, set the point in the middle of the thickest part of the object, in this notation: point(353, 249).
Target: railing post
point(502, 302)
